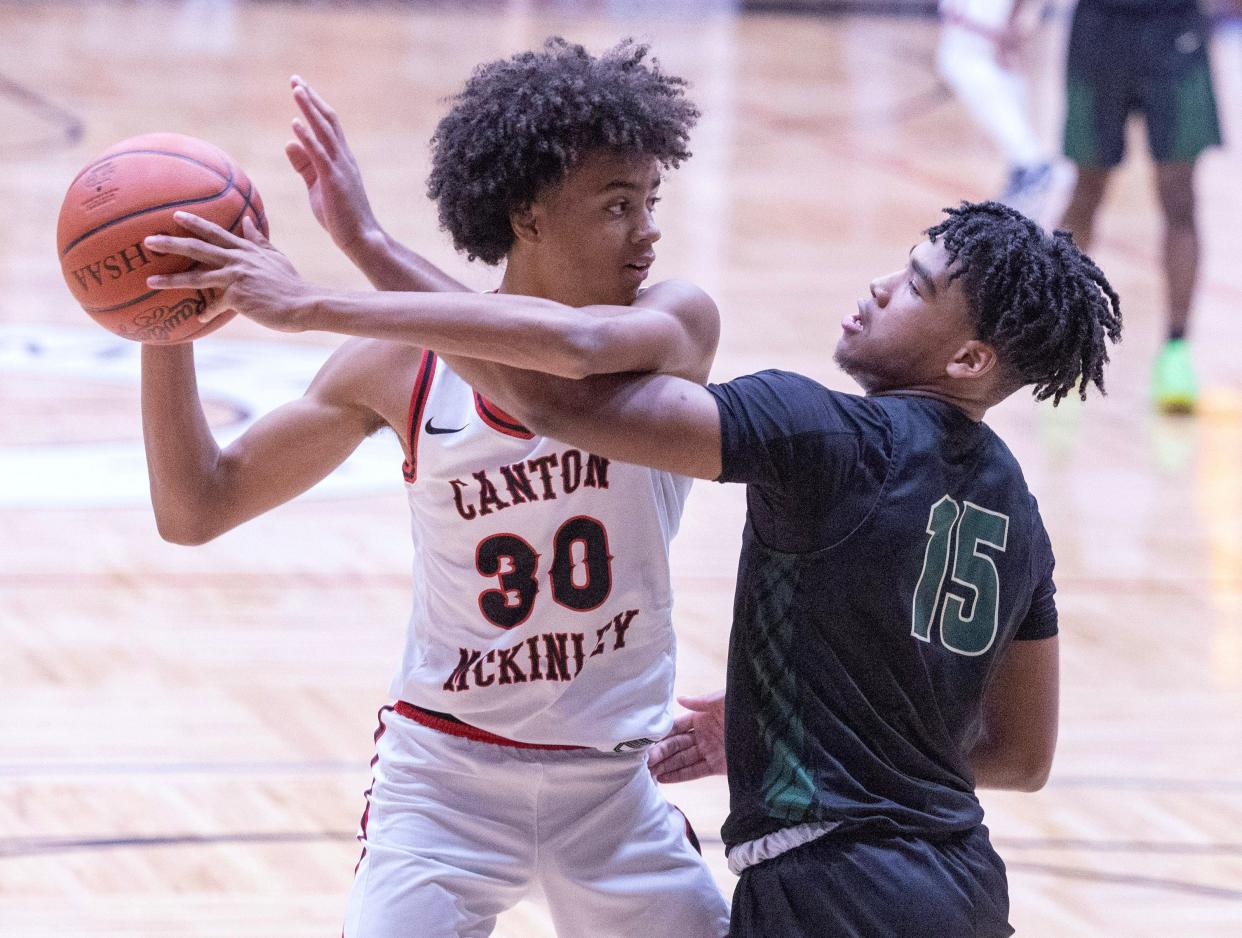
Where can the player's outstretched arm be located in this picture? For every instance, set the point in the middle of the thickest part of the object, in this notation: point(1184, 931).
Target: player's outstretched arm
point(1020, 718)
point(661, 421)
point(198, 490)
point(673, 327)
point(321, 156)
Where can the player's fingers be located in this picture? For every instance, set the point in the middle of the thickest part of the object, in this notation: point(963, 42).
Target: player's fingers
point(674, 742)
point(328, 112)
point(701, 702)
point(682, 723)
point(251, 232)
point(208, 231)
point(318, 123)
point(301, 162)
point(211, 311)
point(667, 749)
point(685, 775)
point(682, 769)
point(198, 279)
point(675, 762)
point(311, 144)
point(201, 251)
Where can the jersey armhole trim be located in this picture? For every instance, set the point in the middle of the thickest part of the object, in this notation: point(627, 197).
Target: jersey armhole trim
point(418, 402)
point(498, 420)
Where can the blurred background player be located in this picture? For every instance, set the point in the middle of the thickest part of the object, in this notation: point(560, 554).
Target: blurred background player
point(978, 57)
point(539, 655)
point(1148, 57)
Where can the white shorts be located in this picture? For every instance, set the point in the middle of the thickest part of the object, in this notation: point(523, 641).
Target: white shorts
point(456, 831)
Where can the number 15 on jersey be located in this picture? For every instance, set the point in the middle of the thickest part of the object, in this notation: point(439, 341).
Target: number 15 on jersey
point(958, 534)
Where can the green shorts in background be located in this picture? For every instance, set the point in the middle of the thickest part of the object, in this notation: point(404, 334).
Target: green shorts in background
point(1124, 60)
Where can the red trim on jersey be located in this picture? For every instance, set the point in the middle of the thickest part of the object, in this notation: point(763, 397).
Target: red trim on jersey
point(366, 812)
point(418, 401)
point(690, 834)
point(498, 420)
point(454, 727)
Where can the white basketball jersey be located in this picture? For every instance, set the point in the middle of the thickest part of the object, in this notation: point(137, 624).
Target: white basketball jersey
point(542, 603)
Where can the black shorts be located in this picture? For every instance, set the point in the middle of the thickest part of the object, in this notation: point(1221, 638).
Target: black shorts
point(896, 887)
point(1125, 61)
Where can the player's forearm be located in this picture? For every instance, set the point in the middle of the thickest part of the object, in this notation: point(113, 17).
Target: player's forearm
point(182, 455)
point(1018, 738)
point(650, 420)
point(1009, 766)
point(518, 331)
point(390, 265)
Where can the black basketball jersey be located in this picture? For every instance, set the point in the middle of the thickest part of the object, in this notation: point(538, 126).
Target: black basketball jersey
point(892, 551)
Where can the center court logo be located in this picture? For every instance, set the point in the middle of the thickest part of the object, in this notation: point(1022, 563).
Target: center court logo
point(249, 378)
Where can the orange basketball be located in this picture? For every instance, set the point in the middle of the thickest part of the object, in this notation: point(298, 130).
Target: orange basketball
point(127, 193)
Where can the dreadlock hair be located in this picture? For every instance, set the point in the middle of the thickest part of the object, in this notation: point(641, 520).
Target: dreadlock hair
point(1043, 304)
point(522, 123)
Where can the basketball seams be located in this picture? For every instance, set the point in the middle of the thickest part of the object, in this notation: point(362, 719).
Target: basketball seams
point(173, 153)
point(247, 203)
point(229, 185)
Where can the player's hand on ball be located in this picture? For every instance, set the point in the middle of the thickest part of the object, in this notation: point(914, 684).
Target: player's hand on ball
point(247, 273)
point(322, 157)
point(695, 747)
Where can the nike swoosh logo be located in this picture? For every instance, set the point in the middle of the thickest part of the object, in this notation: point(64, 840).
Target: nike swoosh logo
point(432, 428)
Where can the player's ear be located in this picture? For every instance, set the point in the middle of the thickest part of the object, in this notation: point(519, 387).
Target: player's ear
point(526, 222)
point(974, 359)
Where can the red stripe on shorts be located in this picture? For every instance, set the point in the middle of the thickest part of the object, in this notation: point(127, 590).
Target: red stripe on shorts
point(455, 727)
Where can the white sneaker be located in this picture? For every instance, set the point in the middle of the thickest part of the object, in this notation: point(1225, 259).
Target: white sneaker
point(1026, 188)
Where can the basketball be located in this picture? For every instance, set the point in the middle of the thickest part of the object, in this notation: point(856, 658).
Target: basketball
point(131, 191)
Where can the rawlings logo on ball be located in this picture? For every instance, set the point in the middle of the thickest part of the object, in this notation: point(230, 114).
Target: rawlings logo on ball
point(159, 322)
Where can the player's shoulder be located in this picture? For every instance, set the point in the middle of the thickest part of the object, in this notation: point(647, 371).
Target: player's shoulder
point(358, 358)
point(675, 290)
point(680, 298)
point(367, 372)
point(792, 386)
point(794, 403)
point(698, 323)
point(1002, 460)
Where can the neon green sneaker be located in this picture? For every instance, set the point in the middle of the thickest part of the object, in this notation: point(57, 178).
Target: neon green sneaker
point(1174, 388)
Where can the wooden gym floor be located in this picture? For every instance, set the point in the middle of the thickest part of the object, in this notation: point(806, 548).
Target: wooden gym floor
point(185, 732)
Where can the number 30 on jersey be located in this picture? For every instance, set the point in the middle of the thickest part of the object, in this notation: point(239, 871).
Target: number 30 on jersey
point(581, 572)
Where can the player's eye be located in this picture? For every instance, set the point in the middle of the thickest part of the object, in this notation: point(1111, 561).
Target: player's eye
point(618, 209)
point(653, 202)
point(914, 288)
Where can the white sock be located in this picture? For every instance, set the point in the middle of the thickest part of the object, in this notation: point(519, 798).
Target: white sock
point(994, 96)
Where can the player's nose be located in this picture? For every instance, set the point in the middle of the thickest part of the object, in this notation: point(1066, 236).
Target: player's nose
point(648, 231)
point(880, 290)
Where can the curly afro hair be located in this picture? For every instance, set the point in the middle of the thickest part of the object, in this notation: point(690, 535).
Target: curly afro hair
point(1044, 305)
point(522, 123)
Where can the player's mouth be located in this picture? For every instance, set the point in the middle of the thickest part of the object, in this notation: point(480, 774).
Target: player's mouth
point(640, 266)
point(854, 323)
